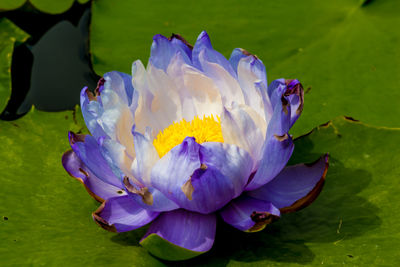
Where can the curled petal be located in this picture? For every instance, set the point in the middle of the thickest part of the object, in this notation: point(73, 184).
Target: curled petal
point(148, 197)
point(108, 111)
point(91, 112)
point(180, 235)
point(164, 49)
point(202, 178)
point(98, 189)
point(90, 153)
point(249, 214)
point(295, 187)
point(289, 91)
point(256, 65)
point(277, 149)
point(121, 83)
point(122, 214)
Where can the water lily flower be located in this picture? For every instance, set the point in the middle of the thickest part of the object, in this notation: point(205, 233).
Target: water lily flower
point(191, 137)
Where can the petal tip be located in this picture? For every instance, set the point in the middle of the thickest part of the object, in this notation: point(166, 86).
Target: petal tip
point(100, 221)
point(314, 193)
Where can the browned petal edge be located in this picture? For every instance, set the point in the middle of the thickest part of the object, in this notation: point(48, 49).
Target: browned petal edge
point(188, 189)
point(101, 82)
point(261, 219)
point(313, 194)
point(298, 90)
point(96, 197)
point(247, 53)
point(285, 105)
point(147, 197)
point(74, 138)
point(301, 95)
point(179, 37)
point(100, 221)
point(281, 138)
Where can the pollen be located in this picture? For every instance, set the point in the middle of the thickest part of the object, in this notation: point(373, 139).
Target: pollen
point(203, 130)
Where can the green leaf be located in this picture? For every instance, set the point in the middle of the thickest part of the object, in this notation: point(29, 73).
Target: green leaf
point(51, 6)
point(345, 51)
point(355, 220)
point(6, 5)
point(45, 214)
point(353, 70)
point(47, 6)
point(9, 36)
point(166, 250)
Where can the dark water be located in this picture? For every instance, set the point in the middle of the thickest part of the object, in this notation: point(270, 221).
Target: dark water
point(53, 65)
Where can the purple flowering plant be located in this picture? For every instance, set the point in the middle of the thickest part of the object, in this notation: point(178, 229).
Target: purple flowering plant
point(191, 137)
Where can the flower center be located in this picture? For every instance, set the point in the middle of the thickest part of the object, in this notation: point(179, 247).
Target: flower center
point(203, 130)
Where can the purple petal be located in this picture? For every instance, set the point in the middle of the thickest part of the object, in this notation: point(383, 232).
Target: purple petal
point(98, 189)
point(189, 230)
point(277, 148)
point(295, 187)
point(89, 152)
point(181, 44)
point(290, 91)
point(107, 108)
point(202, 178)
point(295, 95)
point(91, 111)
point(236, 56)
point(249, 214)
point(121, 83)
point(203, 43)
point(122, 214)
point(148, 197)
point(163, 50)
point(255, 64)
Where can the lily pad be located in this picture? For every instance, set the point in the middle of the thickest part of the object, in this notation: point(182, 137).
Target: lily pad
point(346, 52)
point(6, 5)
point(47, 6)
point(10, 35)
point(51, 6)
point(46, 215)
point(354, 69)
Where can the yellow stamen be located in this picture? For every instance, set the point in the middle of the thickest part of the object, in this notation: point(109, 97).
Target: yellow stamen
point(203, 130)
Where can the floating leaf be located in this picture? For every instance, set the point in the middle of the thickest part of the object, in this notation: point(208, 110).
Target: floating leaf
point(344, 52)
point(9, 36)
point(46, 215)
point(51, 6)
point(47, 6)
point(10, 4)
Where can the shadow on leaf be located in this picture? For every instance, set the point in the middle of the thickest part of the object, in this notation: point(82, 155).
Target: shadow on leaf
point(337, 215)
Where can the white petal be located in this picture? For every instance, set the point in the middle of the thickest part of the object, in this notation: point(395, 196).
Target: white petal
point(247, 79)
point(239, 128)
point(228, 86)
